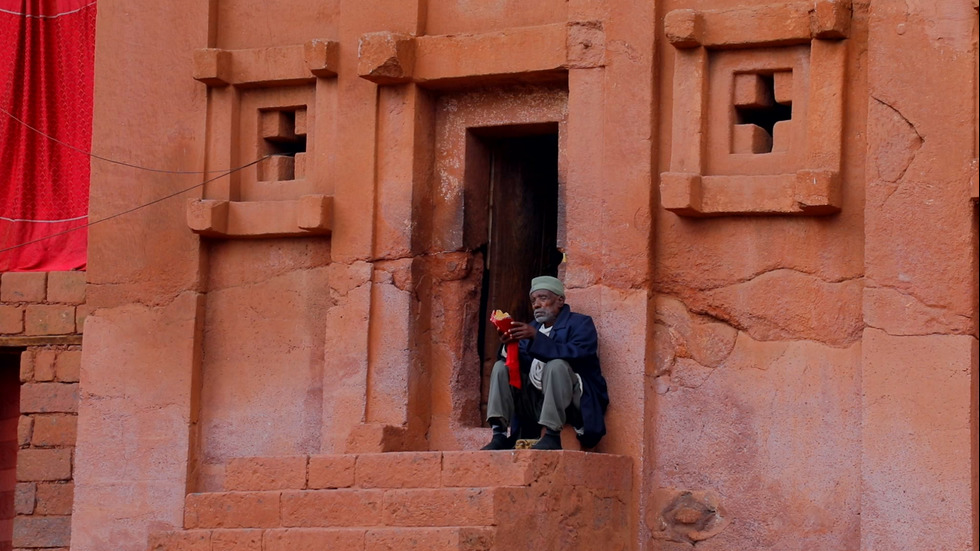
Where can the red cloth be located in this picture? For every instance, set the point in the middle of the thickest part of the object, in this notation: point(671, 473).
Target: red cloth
point(513, 360)
point(47, 50)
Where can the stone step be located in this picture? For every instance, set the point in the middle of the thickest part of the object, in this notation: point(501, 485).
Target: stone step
point(505, 500)
point(427, 469)
point(349, 507)
point(456, 538)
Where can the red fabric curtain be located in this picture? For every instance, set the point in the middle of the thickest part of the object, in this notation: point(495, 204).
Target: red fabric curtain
point(47, 50)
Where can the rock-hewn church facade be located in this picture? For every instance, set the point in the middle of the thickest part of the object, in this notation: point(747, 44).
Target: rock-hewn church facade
point(769, 208)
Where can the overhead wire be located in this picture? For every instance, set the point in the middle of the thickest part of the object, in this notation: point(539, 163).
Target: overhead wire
point(121, 163)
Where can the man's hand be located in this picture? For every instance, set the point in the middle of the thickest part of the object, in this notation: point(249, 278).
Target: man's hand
point(518, 331)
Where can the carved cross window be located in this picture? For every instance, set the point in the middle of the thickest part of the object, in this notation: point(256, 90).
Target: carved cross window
point(763, 105)
point(283, 136)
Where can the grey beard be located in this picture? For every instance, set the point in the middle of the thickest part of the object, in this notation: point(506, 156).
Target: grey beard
point(543, 316)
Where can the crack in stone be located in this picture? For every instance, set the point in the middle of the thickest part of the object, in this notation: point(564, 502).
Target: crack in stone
point(942, 309)
point(913, 150)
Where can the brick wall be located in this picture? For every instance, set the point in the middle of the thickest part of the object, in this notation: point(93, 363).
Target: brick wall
point(38, 304)
point(41, 318)
point(9, 416)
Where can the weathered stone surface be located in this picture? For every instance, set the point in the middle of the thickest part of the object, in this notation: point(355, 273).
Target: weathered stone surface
point(785, 304)
point(264, 351)
point(919, 450)
point(742, 425)
point(266, 473)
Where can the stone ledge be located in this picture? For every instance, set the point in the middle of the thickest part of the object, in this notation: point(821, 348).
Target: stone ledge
point(307, 216)
point(431, 469)
point(274, 66)
point(771, 25)
point(40, 340)
point(542, 53)
point(806, 192)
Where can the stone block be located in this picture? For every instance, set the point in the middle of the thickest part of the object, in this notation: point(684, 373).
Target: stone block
point(25, 496)
point(49, 319)
point(212, 66)
point(23, 286)
point(44, 364)
point(66, 287)
point(397, 470)
point(313, 539)
point(322, 57)
point(602, 472)
point(782, 136)
point(248, 219)
point(331, 471)
point(25, 427)
point(471, 469)
point(586, 44)
point(42, 531)
point(82, 312)
point(782, 87)
point(831, 19)
point(684, 28)
point(55, 498)
point(49, 398)
point(818, 191)
point(11, 319)
point(538, 53)
point(236, 540)
point(277, 124)
point(681, 192)
point(468, 538)
point(750, 139)
point(43, 464)
point(27, 366)
point(278, 168)
point(232, 510)
point(346, 507)
point(266, 473)
point(750, 91)
point(300, 162)
point(440, 507)
point(756, 25)
point(207, 216)
point(301, 125)
point(67, 366)
point(270, 66)
point(386, 58)
point(189, 540)
point(54, 430)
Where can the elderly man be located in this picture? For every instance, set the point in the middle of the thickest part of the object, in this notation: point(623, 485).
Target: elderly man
point(560, 376)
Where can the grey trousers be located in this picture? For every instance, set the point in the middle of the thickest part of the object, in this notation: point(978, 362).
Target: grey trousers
point(559, 386)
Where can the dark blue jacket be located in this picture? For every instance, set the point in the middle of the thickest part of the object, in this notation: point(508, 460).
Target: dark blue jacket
point(574, 339)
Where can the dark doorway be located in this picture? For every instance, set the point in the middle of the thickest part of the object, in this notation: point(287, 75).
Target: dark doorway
point(520, 170)
point(9, 418)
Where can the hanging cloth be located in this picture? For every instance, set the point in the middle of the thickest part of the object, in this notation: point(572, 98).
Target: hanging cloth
point(47, 50)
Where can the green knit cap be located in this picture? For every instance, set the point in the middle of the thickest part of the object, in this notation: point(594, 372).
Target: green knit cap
point(547, 283)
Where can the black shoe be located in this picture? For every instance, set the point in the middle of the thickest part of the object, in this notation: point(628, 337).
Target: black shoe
point(550, 441)
point(499, 442)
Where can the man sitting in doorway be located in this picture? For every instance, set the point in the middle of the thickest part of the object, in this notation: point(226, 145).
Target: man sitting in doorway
point(560, 376)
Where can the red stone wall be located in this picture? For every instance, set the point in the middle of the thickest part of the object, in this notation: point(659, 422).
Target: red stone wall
point(789, 335)
point(46, 433)
point(43, 314)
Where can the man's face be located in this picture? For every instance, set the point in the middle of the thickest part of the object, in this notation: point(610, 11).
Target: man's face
point(546, 306)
